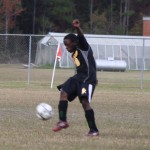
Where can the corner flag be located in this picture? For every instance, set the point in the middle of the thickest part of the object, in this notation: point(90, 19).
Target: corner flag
point(57, 57)
point(59, 52)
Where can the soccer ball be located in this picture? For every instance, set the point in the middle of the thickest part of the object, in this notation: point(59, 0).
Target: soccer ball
point(44, 111)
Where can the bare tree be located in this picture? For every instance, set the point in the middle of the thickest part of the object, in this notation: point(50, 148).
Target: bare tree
point(34, 16)
point(91, 12)
point(10, 9)
point(124, 15)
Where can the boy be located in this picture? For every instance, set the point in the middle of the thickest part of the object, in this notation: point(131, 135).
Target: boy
point(82, 84)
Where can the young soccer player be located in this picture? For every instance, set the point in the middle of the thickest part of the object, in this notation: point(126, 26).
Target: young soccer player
point(82, 84)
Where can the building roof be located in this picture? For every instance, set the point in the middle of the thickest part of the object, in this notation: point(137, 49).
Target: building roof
point(108, 39)
point(146, 18)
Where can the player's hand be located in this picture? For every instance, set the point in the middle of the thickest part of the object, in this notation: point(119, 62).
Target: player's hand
point(76, 23)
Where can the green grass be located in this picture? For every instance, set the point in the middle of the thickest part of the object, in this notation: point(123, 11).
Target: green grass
point(47, 66)
point(121, 109)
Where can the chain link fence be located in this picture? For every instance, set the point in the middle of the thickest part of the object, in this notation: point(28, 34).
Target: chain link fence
point(20, 52)
point(14, 49)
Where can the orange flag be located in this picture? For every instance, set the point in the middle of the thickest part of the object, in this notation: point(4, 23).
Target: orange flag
point(59, 52)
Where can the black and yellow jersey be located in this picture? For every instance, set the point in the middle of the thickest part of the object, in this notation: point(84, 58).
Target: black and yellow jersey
point(84, 62)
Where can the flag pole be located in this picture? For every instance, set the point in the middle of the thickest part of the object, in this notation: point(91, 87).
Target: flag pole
point(52, 81)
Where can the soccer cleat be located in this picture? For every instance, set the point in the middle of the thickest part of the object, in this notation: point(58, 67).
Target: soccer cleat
point(60, 125)
point(92, 133)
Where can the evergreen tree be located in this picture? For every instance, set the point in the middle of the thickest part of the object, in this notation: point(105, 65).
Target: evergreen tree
point(97, 16)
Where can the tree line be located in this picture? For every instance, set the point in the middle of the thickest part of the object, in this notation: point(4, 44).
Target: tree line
point(117, 17)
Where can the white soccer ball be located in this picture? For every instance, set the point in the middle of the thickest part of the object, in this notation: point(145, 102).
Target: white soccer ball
point(44, 111)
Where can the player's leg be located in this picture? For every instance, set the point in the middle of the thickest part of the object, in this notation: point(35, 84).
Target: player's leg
point(85, 99)
point(89, 115)
point(62, 110)
point(62, 106)
point(67, 93)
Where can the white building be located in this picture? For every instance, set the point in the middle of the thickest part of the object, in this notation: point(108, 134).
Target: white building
point(134, 50)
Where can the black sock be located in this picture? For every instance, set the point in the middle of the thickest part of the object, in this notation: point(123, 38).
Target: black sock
point(89, 114)
point(62, 108)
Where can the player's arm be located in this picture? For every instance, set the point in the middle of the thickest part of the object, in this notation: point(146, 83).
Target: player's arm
point(82, 41)
point(76, 25)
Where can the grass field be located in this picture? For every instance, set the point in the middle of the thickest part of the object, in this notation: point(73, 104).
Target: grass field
point(122, 112)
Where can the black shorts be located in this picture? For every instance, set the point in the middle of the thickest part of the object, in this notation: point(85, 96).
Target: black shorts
point(74, 89)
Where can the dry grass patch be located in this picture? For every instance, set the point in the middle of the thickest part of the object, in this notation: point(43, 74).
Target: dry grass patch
point(122, 114)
